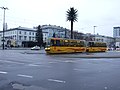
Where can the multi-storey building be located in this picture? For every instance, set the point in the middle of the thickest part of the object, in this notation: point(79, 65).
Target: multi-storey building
point(19, 34)
point(116, 35)
point(116, 32)
point(109, 40)
point(0, 39)
point(59, 32)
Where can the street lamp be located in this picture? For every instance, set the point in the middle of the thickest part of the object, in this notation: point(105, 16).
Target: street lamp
point(4, 8)
point(94, 29)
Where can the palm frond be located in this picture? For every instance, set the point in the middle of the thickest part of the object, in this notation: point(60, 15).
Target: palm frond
point(72, 14)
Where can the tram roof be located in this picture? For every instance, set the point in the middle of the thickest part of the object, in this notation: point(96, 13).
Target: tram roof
point(66, 39)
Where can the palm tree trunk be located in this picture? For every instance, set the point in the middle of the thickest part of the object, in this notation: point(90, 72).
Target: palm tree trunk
point(71, 29)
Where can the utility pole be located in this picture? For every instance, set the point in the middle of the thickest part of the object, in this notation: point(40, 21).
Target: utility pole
point(3, 40)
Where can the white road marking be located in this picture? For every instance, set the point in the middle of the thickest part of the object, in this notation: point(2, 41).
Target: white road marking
point(77, 69)
point(2, 72)
point(22, 75)
point(34, 65)
point(11, 62)
point(52, 62)
point(68, 61)
point(55, 80)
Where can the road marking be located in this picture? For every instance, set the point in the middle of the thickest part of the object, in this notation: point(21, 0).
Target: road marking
point(68, 61)
point(34, 65)
point(52, 62)
point(22, 75)
point(77, 69)
point(2, 72)
point(55, 80)
point(11, 62)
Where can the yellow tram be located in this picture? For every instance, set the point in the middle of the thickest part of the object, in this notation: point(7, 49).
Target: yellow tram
point(60, 45)
point(93, 46)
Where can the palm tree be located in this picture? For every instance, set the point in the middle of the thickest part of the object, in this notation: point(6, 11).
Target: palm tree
point(72, 17)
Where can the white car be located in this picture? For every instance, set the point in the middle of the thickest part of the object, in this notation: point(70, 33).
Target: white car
point(35, 48)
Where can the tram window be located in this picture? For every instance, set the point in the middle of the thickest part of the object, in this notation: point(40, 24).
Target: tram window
point(72, 43)
point(58, 43)
point(91, 44)
point(66, 43)
point(52, 43)
point(104, 45)
point(55, 43)
point(61, 42)
point(78, 43)
point(82, 44)
point(96, 45)
point(75, 43)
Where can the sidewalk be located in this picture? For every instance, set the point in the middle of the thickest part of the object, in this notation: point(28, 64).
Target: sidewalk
point(15, 48)
point(108, 54)
point(18, 48)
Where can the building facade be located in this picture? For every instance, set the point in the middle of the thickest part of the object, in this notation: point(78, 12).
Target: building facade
point(116, 32)
point(110, 41)
point(116, 35)
point(15, 36)
point(59, 32)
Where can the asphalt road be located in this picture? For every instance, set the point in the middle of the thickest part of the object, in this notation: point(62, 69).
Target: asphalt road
point(35, 70)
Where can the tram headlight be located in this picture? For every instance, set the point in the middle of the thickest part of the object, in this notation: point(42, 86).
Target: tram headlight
point(47, 49)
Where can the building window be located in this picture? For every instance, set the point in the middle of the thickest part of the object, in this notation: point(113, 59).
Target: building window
point(33, 38)
point(20, 37)
point(29, 33)
point(19, 32)
point(24, 33)
point(29, 38)
point(33, 33)
point(25, 37)
point(15, 37)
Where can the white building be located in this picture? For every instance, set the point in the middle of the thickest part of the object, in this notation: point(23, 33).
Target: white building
point(19, 34)
point(110, 41)
point(59, 32)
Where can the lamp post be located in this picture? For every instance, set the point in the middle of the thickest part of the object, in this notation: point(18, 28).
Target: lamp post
point(4, 8)
point(94, 29)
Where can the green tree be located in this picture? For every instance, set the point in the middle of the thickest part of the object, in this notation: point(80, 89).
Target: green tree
point(53, 35)
point(39, 36)
point(72, 17)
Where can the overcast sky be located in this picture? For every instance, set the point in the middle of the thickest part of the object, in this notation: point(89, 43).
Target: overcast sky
point(28, 13)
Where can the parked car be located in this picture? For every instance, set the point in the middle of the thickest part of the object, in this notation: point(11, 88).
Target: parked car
point(117, 49)
point(110, 49)
point(35, 48)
